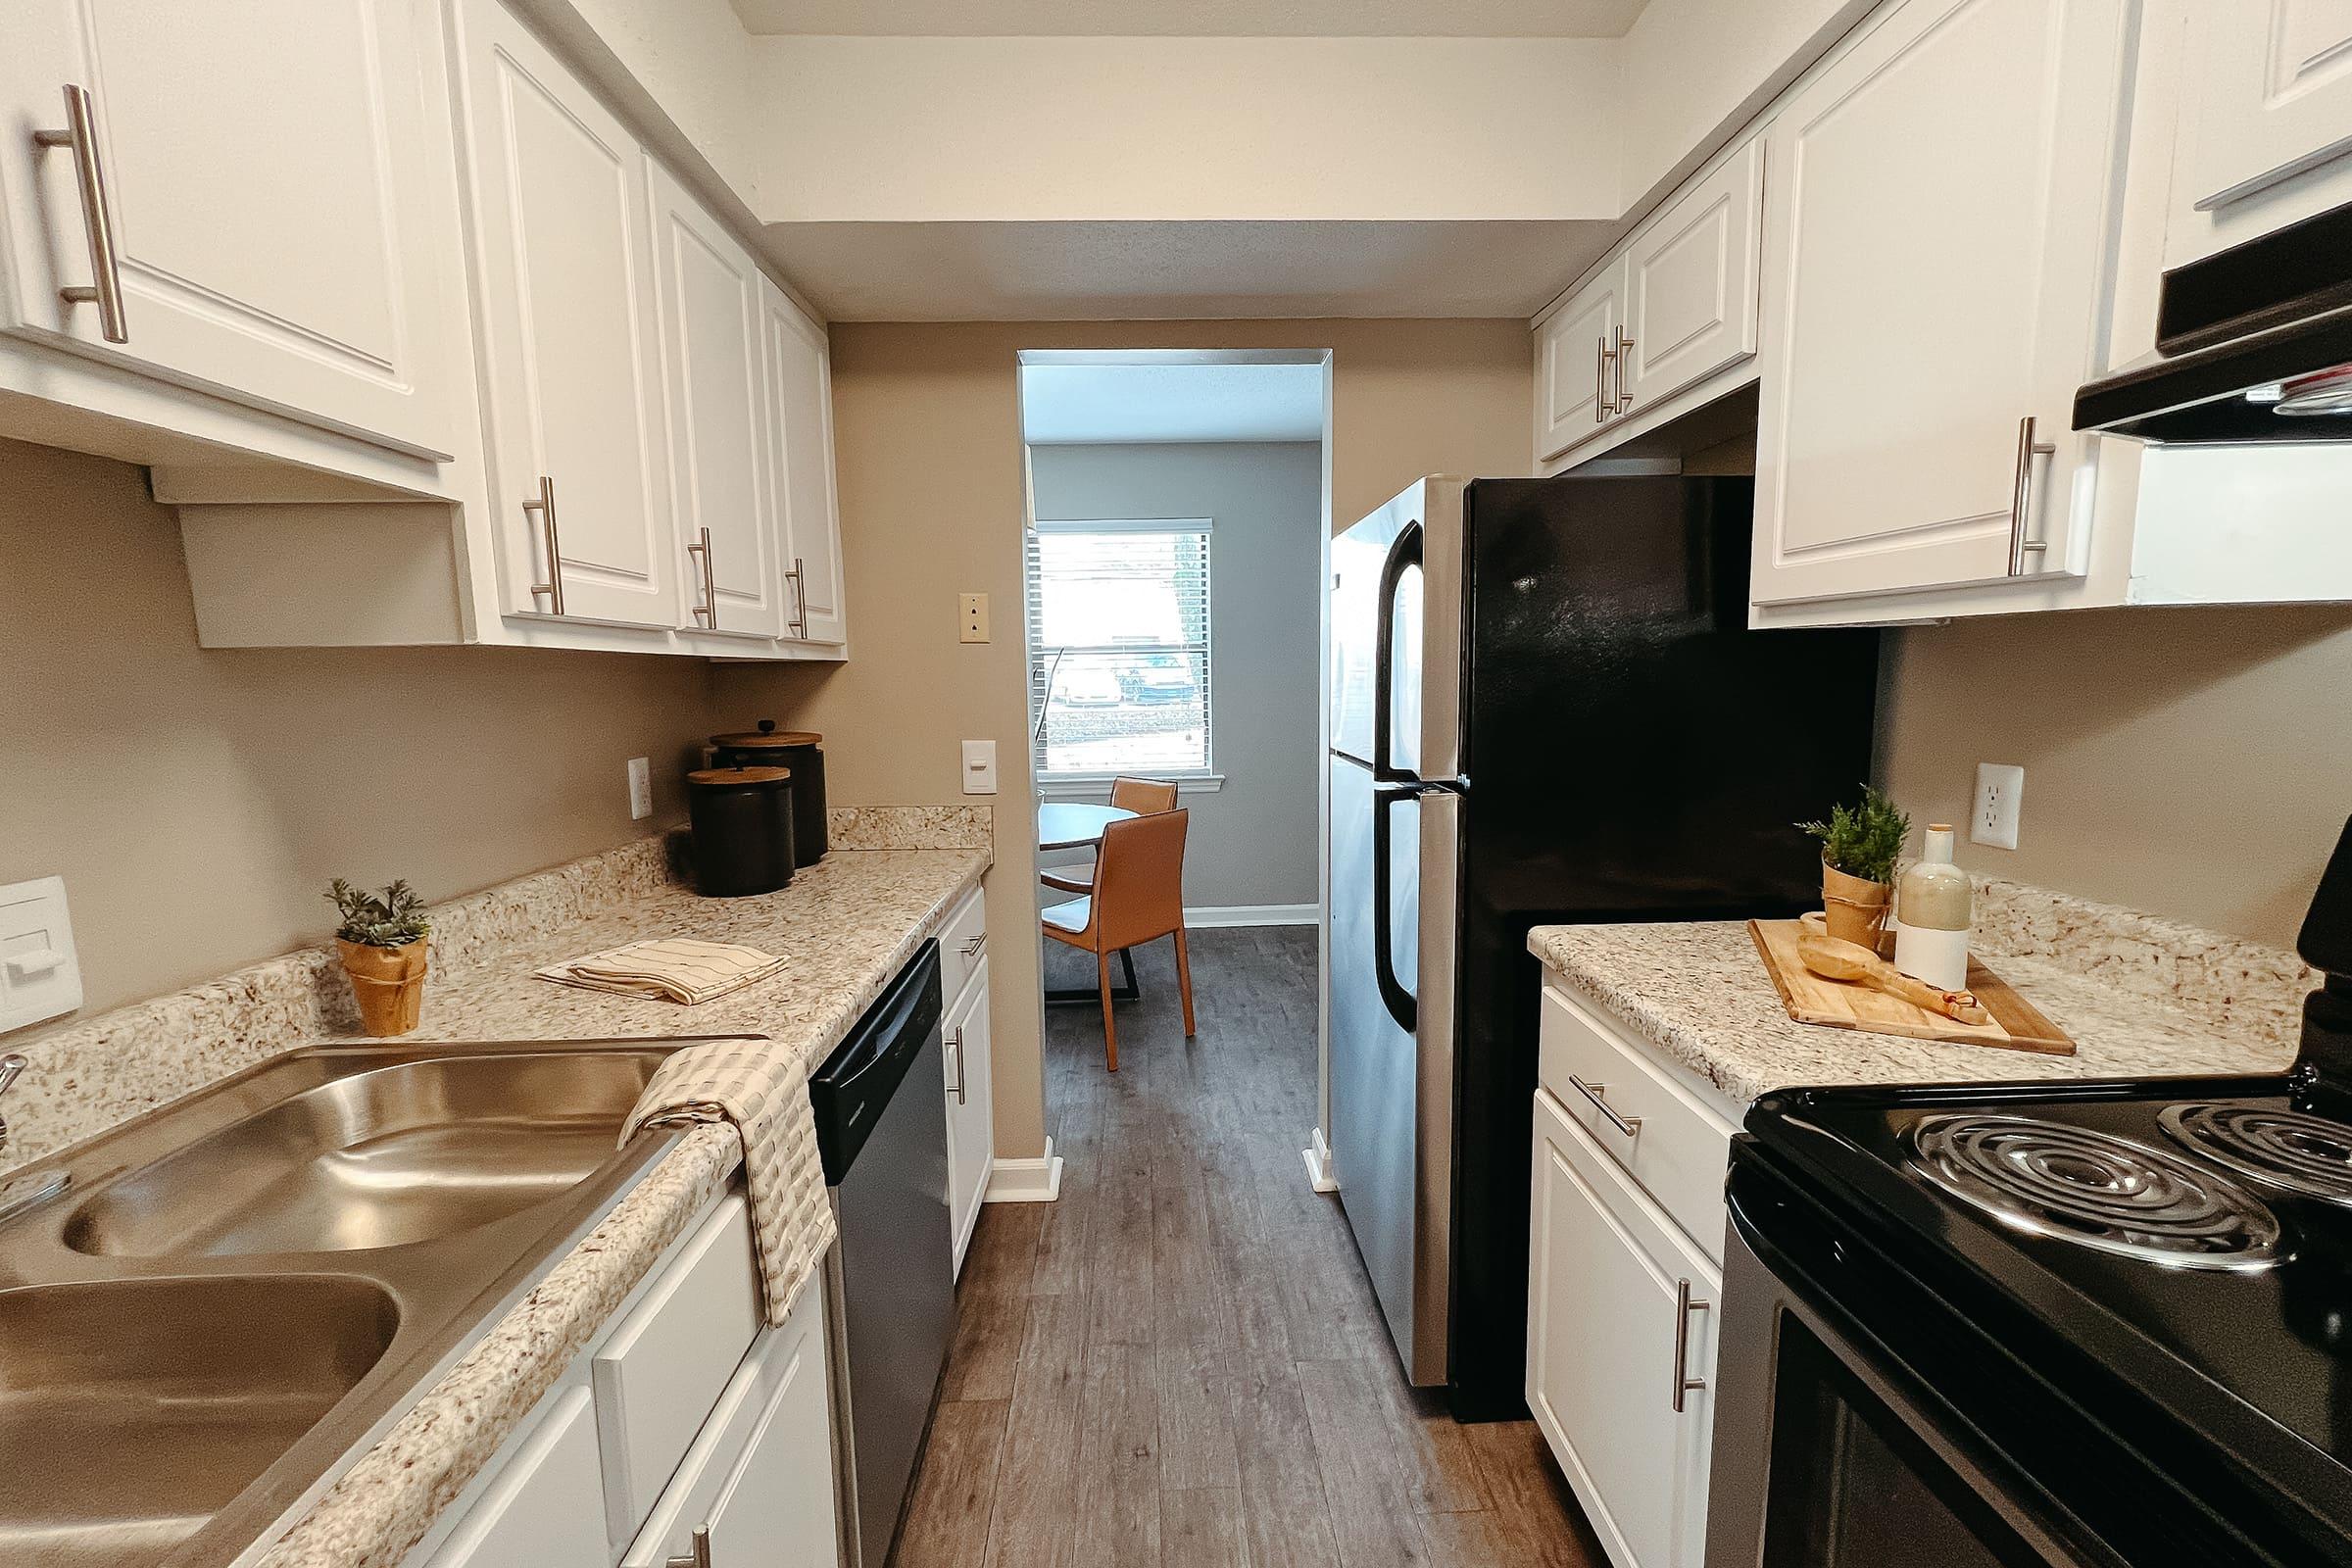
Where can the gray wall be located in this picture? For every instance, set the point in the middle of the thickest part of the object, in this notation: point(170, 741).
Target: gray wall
point(1253, 841)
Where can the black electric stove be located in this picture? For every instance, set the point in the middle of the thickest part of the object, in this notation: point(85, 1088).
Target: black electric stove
point(2062, 1323)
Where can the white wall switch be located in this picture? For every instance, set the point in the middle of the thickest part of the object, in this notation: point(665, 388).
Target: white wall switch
point(971, 618)
point(641, 789)
point(39, 975)
point(2000, 794)
point(979, 767)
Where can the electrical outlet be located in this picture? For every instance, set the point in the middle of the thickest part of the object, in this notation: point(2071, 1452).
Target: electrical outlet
point(2000, 796)
point(979, 767)
point(971, 618)
point(641, 788)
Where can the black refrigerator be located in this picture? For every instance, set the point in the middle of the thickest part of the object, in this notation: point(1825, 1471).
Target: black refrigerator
point(1546, 708)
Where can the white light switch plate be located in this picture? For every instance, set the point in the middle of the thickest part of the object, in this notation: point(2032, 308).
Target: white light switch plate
point(39, 975)
point(2000, 798)
point(979, 767)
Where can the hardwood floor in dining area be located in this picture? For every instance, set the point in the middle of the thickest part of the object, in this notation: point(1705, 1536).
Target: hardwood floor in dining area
point(1181, 1362)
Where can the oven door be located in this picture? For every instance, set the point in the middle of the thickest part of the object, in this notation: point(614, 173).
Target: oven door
point(1828, 1454)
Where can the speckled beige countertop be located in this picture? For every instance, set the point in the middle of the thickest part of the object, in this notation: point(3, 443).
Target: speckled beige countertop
point(843, 928)
point(2141, 997)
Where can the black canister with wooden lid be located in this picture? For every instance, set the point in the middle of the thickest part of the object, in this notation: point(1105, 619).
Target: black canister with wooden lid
point(742, 830)
point(799, 750)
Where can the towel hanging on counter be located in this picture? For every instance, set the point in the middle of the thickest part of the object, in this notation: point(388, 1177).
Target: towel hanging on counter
point(668, 969)
point(762, 1088)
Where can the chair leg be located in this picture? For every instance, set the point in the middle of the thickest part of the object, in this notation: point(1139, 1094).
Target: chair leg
point(1110, 1030)
point(1184, 980)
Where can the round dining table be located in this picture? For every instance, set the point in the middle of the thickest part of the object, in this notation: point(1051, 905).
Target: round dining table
point(1073, 824)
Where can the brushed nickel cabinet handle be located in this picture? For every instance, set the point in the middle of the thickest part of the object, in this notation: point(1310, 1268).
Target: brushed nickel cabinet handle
point(545, 506)
point(700, 1557)
point(2021, 496)
point(798, 576)
point(105, 289)
point(1620, 400)
point(1683, 1306)
point(974, 948)
point(1604, 403)
point(955, 1039)
point(1627, 1125)
point(708, 611)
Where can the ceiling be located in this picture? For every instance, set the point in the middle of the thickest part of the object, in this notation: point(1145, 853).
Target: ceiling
point(1080, 404)
point(1082, 271)
point(1207, 19)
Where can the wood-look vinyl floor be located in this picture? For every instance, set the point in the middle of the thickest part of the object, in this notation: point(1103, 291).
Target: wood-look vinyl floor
point(1181, 1362)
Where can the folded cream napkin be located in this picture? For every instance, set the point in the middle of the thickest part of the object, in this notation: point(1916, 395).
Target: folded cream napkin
point(762, 1088)
point(671, 969)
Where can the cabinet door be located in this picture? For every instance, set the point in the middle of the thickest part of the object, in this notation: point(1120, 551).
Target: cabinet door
point(775, 1509)
point(279, 226)
point(545, 1505)
point(1606, 1331)
point(2274, 79)
point(1574, 365)
point(572, 349)
point(1690, 283)
point(716, 401)
point(971, 1139)
point(1932, 275)
point(800, 379)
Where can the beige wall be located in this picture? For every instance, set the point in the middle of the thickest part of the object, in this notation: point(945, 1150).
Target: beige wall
point(928, 440)
point(196, 802)
point(2189, 763)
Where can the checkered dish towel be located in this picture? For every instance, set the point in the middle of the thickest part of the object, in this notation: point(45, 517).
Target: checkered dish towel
point(763, 1087)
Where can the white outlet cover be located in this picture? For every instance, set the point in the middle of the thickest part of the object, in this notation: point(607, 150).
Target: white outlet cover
point(40, 977)
point(641, 788)
point(2000, 800)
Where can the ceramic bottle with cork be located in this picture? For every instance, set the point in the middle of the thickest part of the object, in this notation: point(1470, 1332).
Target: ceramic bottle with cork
point(1933, 908)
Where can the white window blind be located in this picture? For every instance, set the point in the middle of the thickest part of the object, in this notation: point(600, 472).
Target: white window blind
point(1118, 647)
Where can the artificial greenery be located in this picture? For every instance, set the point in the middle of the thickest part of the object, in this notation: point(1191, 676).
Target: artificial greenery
point(392, 918)
point(1863, 840)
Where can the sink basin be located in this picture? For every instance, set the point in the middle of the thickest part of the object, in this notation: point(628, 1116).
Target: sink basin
point(410, 1152)
point(134, 1410)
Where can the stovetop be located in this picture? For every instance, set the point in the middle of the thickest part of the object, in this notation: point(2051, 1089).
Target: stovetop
point(2194, 1238)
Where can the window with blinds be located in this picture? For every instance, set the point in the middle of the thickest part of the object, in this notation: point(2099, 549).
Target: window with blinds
point(1118, 647)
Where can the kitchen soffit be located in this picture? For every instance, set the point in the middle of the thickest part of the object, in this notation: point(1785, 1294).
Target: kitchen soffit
point(1207, 19)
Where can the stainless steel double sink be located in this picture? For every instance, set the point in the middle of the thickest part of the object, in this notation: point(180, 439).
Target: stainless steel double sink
point(228, 1293)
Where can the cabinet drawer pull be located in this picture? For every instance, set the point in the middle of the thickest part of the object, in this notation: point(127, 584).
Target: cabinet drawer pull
point(974, 948)
point(708, 611)
point(105, 289)
point(1620, 400)
point(955, 1044)
point(545, 506)
point(798, 576)
point(2021, 496)
point(1683, 1306)
point(700, 1557)
point(1627, 1125)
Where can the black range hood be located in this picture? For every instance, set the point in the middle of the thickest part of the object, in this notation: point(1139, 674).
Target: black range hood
point(2253, 344)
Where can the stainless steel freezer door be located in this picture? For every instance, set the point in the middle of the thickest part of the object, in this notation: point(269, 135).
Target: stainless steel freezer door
point(1425, 642)
point(1392, 1059)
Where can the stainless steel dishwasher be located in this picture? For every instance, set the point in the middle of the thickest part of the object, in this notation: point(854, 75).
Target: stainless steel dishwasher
point(882, 1133)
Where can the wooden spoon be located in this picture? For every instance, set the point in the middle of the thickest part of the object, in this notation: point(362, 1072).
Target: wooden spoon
point(1834, 959)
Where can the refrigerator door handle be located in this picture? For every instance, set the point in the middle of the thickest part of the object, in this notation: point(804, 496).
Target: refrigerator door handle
point(1402, 1005)
point(1403, 553)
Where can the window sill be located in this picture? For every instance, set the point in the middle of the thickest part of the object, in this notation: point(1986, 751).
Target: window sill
point(1096, 786)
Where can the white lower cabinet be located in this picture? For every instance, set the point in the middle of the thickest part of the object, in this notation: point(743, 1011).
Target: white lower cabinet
point(1622, 1314)
point(970, 1139)
point(687, 1417)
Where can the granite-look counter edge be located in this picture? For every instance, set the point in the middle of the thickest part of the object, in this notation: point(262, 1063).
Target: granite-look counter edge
point(2142, 998)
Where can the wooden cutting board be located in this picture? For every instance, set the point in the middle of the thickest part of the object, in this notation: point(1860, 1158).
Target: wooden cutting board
point(2017, 1024)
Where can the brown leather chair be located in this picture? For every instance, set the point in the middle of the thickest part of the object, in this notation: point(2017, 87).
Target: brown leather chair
point(1138, 896)
point(1145, 797)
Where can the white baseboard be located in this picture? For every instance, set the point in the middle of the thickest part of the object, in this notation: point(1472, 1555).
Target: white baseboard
point(1317, 1154)
point(1026, 1181)
point(1213, 914)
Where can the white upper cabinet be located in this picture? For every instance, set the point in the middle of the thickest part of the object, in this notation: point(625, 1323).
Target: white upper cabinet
point(1576, 362)
point(2267, 120)
point(800, 433)
point(572, 349)
point(728, 521)
point(254, 185)
point(1932, 287)
point(1691, 285)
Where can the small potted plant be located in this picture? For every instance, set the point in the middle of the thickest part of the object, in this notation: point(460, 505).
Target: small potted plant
point(382, 943)
point(1859, 844)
